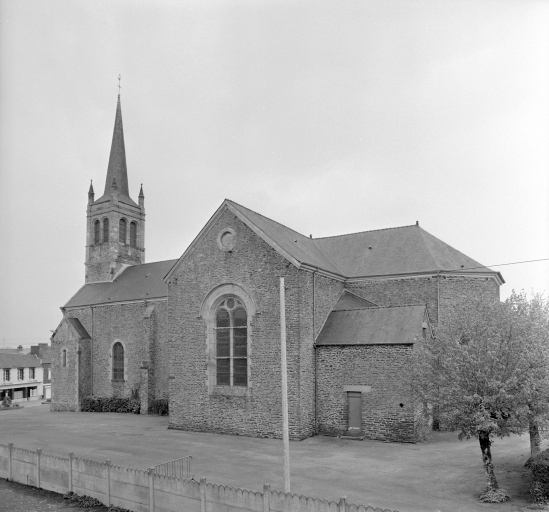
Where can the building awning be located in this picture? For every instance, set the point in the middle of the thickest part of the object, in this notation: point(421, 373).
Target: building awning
point(17, 386)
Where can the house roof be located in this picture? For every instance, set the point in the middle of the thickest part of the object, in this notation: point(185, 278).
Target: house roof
point(18, 361)
point(373, 326)
point(137, 282)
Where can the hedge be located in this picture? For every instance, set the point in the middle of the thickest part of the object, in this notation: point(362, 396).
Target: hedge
point(159, 406)
point(110, 404)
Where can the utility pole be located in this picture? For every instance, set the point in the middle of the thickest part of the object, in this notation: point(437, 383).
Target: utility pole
point(285, 432)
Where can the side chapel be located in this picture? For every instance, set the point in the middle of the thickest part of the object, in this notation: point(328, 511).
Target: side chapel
point(203, 331)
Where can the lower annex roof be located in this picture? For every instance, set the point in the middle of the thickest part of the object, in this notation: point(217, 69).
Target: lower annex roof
point(138, 282)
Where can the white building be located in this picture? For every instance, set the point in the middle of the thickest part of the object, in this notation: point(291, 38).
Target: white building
point(21, 377)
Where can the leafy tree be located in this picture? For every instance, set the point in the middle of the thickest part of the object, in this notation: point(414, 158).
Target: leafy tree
point(485, 373)
point(534, 316)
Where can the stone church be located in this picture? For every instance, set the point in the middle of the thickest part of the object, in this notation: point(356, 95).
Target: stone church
point(203, 330)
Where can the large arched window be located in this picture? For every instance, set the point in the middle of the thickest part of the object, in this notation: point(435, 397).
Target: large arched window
point(118, 361)
point(231, 326)
point(105, 230)
point(97, 232)
point(122, 228)
point(133, 234)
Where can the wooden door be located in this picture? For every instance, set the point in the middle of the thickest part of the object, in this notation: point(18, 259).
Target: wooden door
point(354, 402)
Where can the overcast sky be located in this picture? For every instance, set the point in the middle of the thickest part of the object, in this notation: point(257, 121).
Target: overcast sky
point(329, 117)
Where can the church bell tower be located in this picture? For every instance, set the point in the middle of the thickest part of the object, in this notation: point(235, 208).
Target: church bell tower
point(116, 224)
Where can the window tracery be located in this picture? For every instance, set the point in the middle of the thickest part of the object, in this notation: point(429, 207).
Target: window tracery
point(231, 328)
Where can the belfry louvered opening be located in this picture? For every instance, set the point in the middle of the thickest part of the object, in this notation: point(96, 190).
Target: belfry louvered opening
point(97, 232)
point(122, 231)
point(105, 230)
point(133, 234)
point(231, 326)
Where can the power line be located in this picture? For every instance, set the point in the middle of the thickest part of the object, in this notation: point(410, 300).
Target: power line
point(502, 264)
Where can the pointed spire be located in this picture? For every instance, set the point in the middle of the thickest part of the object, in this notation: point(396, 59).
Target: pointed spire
point(91, 193)
point(117, 160)
point(141, 198)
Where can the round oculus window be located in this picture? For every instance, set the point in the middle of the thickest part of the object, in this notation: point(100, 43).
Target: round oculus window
point(226, 239)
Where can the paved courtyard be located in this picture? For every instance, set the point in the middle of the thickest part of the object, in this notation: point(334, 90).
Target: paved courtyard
point(442, 474)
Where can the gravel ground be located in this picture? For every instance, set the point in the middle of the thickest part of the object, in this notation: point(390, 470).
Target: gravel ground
point(443, 474)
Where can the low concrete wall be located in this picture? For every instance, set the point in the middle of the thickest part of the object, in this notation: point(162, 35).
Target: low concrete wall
point(145, 491)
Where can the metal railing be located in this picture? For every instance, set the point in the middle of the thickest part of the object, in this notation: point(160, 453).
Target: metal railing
point(178, 468)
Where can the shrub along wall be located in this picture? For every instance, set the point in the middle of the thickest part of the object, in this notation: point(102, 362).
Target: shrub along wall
point(110, 404)
point(146, 491)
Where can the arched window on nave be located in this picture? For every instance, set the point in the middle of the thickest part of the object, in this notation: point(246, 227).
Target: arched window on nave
point(118, 361)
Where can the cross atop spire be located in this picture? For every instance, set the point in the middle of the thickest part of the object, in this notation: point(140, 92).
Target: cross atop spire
point(119, 87)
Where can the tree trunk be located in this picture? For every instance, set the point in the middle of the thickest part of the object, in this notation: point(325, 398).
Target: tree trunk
point(535, 440)
point(484, 440)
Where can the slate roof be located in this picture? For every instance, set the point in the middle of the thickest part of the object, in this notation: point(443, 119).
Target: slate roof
point(18, 361)
point(300, 247)
point(137, 282)
point(117, 168)
point(351, 301)
point(402, 250)
point(373, 326)
point(395, 251)
point(384, 252)
point(79, 328)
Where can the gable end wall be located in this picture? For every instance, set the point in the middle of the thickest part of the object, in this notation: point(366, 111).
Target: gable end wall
point(256, 267)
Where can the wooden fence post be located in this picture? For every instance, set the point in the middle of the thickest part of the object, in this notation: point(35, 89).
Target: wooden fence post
point(10, 462)
point(202, 495)
point(151, 489)
point(38, 456)
point(342, 504)
point(71, 455)
point(266, 497)
point(108, 482)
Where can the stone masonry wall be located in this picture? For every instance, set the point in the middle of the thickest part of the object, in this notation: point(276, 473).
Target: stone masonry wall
point(143, 340)
point(253, 265)
point(327, 293)
point(125, 323)
point(159, 351)
point(456, 290)
point(399, 292)
point(383, 367)
point(64, 378)
point(451, 291)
